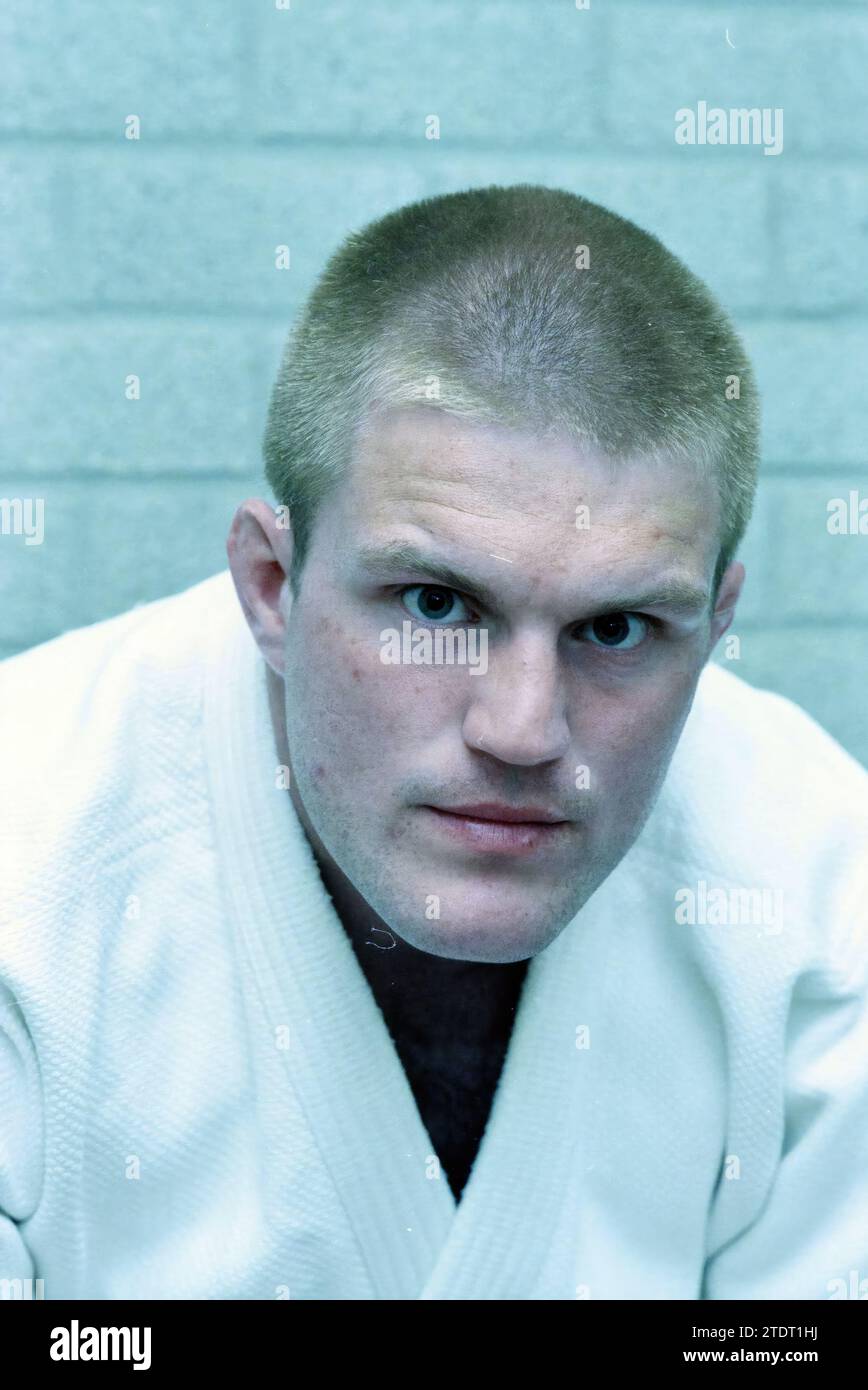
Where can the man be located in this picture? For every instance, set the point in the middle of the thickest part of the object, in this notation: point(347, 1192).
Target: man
point(346, 962)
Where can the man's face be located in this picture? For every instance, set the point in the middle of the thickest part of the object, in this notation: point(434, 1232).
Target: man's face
point(557, 751)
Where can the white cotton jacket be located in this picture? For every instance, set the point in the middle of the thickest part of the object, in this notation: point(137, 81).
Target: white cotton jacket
point(199, 1097)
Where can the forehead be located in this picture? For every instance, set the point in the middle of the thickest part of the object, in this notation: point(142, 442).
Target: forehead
point(487, 488)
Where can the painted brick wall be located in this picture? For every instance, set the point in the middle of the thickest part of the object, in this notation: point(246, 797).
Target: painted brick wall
point(263, 126)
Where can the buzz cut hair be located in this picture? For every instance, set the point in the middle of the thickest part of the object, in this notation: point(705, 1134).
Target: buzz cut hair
point(523, 306)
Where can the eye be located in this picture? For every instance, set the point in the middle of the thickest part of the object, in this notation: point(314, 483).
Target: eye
point(431, 604)
point(620, 631)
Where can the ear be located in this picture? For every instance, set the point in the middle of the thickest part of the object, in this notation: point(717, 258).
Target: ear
point(260, 556)
point(727, 597)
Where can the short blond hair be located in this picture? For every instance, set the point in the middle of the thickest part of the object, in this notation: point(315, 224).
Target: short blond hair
point(520, 305)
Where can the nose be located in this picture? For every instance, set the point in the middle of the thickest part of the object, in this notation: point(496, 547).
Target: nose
point(518, 714)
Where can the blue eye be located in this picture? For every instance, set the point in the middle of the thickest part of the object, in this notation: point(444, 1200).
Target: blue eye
point(432, 604)
point(619, 631)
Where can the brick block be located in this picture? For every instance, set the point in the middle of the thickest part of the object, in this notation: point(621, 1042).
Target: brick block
point(822, 671)
point(81, 69)
point(811, 63)
point(33, 229)
point(198, 230)
point(509, 72)
point(65, 408)
point(811, 377)
point(108, 545)
point(822, 220)
point(815, 575)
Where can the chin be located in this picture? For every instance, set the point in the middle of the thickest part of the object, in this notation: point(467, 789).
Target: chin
point(498, 935)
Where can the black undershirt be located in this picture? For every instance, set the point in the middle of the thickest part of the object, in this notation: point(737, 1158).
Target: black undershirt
point(451, 1039)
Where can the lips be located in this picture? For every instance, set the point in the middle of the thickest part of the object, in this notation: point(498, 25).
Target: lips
point(509, 815)
point(493, 828)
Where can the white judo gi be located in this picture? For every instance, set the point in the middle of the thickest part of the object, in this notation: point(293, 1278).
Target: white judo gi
point(199, 1097)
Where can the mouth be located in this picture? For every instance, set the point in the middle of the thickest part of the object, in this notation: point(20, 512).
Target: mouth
point(492, 828)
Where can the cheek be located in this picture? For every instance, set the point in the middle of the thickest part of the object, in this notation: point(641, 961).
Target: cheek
point(359, 707)
point(633, 735)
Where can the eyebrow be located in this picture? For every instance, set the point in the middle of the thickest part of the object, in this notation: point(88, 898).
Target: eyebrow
point(396, 556)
